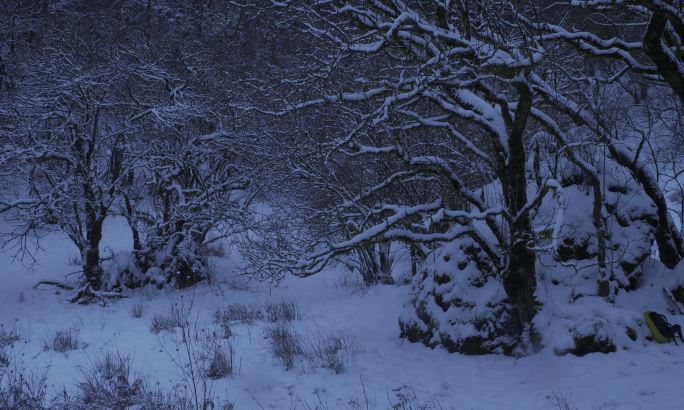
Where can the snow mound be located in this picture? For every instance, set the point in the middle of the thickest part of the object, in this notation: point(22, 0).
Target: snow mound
point(458, 302)
point(631, 222)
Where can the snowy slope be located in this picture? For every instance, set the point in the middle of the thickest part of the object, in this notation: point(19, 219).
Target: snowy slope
point(381, 368)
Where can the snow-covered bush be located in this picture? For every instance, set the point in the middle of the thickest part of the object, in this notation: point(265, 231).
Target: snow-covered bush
point(458, 303)
point(575, 319)
point(631, 220)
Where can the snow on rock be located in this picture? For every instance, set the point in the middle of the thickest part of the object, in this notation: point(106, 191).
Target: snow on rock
point(631, 219)
point(458, 302)
point(121, 270)
point(639, 375)
point(589, 324)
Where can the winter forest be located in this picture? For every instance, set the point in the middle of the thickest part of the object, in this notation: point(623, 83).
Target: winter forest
point(341, 204)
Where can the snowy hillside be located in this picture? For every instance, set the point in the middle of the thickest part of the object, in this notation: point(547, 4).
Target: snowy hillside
point(348, 204)
point(371, 368)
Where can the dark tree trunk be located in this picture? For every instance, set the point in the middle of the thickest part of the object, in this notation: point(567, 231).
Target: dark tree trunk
point(519, 278)
point(385, 263)
point(520, 281)
point(93, 230)
point(656, 50)
point(132, 218)
point(91, 265)
point(605, 281)
point(414, 259)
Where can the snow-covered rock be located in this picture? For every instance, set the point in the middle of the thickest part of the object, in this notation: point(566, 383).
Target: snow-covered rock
point(458, 302)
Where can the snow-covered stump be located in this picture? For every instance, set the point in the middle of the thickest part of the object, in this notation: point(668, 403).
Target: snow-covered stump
point(458, 303)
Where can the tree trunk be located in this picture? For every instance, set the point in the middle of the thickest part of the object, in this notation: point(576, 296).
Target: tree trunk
point(660, 55)
point(519, 280)
point(93, 227)
point(91, 266)
point(666, 235)
point(605, 281)
point(132, 218)
point(414, 260)
point(385, 263)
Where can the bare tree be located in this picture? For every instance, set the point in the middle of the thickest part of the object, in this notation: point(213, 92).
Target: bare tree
point(68, 146)
point(442, 91)
point(643, 37)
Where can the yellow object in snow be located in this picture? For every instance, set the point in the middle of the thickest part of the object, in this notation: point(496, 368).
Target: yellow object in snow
point(657, 336)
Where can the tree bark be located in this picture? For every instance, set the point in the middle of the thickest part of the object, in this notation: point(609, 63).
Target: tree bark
point(656, 51)
point(519, 279)
point(132, 218)
point(92, 271)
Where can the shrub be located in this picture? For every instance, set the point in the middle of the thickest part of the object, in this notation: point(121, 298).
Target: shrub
point(284, 343)
point(178, 316)
point(329, 351)
point(221, 363)
point(225, 331)
point(320, 349)
point(201, 357)
point(62, 341)
point(560, 400)
point(108, 384)
point(282, 312)
point(19, 390)
point(7, 337)
point(239, 312)
point(405, 398)
point(461, 279)
point(223, 322)
point(236, 281)
point(138, 308)
point(351, 281)
point(161, 323)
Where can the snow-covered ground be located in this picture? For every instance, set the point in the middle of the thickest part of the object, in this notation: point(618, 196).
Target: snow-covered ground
point(380, 367)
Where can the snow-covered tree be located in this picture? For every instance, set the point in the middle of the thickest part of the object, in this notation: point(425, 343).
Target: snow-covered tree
point(625, 37)
point(104, 121)
point(490, 110)
point(442, 91)
point(67, 146)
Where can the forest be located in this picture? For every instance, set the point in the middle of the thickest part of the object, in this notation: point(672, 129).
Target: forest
point(313, 204)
